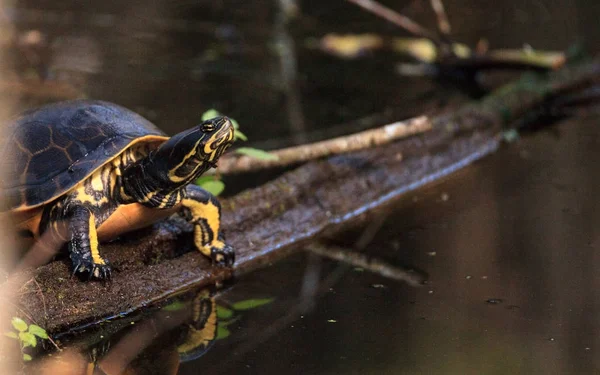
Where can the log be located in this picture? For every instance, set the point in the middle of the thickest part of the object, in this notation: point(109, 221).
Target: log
point(267, 222)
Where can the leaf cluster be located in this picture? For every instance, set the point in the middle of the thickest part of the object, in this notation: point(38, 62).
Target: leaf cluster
point(26, 334)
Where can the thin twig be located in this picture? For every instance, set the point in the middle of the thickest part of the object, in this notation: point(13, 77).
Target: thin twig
point(442, 17)
point(397, 19)
point(41, 293)
point(233, 163)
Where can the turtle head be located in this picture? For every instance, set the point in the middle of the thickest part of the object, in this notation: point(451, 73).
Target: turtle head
point(188, 154)
point(179, 160)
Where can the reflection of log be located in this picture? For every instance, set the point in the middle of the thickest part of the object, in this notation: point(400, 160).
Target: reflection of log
point(267, 222)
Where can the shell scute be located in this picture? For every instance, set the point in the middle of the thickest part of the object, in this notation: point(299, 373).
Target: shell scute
point(49, 150)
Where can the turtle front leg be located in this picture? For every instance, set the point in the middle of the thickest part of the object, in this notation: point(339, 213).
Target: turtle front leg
point(203, 210)
point(83, 246)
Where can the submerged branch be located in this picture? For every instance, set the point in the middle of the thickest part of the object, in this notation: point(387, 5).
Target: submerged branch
point(378, 266)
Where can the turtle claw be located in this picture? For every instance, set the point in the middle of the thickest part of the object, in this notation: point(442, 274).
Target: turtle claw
point(100, 272)
point(223, 256)
point(93, 270)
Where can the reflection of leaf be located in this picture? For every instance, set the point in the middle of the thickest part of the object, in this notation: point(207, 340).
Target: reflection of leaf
point(27, 339)
point(250, 304)
point(222, 333)
point(175, 306)
point(12, 335)
point(215, 187)
point(26, 357)
point(256, 153)
point(38, 331)
point(19, 324)
point(224, 312)
point(211, 113)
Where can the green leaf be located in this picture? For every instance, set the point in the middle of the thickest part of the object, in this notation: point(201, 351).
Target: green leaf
point(239, 135)
point(215, 187)
point(27, 339)
point(224, 312)
point(250, 304)
point(511, 135)
point(256, 153)
point(175, 306)
point(26, 357)
point(222, 333)
point(211, 113)
point(38, 331)
point(12, 335)
point(203, 179)
point(19, 324)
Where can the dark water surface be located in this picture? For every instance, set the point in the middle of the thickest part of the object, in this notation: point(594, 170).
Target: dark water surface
point(509, 245)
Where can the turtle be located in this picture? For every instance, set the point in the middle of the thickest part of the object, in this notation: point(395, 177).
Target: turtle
point(87, 171)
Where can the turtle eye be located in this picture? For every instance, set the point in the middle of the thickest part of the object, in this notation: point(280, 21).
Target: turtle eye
point(208, 127)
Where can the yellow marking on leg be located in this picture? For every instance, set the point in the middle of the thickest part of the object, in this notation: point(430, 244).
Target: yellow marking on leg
point(93, 235)
point(209, 212)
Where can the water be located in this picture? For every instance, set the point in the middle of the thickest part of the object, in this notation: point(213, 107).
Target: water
point(508, 245)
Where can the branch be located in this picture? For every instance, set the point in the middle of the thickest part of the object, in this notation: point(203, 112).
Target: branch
point(442, 17)
point(233, 163)
point(378, 266)
point(396, 18)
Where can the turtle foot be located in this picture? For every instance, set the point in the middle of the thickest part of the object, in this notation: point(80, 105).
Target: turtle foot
point(93, 270)
point(222, 255)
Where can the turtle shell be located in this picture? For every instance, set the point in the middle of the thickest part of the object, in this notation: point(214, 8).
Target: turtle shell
point(47, 151)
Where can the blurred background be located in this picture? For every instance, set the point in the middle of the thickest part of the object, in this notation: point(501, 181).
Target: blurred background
point(508, 245)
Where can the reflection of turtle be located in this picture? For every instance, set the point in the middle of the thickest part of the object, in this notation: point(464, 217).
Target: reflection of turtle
point(178, 335)
point(202, 331)
point(95, 170)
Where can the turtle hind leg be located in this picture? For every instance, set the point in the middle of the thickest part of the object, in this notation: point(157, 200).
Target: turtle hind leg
point(203, 210)
point(83, 245)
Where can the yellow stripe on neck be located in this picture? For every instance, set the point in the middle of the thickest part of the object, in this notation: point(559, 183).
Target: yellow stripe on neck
point(173, 177)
